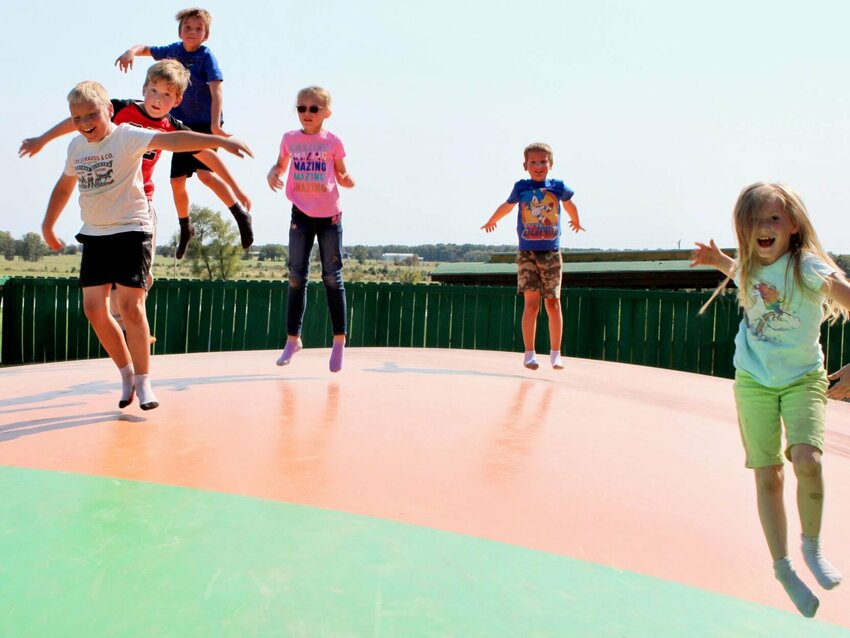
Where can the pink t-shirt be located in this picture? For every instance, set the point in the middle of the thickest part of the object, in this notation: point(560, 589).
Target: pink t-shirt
point(311, 182)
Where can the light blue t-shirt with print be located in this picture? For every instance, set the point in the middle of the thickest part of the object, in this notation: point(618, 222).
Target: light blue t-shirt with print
point(778, 341)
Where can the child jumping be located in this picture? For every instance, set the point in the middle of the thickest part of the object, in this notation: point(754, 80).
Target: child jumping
point(539, 258)
point(318, 166)
point(165, 83)
point(200, 110)
point(787, 286)
point(105, 162)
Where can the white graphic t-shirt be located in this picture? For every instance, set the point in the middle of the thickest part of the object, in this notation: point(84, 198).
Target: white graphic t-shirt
point(778, 341)
point(109, 178)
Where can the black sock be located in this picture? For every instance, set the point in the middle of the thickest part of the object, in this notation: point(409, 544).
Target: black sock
point(186, 234)
point(243, 221)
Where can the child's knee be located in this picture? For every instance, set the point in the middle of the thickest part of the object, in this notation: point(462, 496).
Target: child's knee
point(207, 177)
point(769, 479)
point(552, 305)
point(178, 184)
point(807, 461)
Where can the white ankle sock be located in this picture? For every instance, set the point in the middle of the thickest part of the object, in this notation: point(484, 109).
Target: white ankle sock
point(799, 593)
point(555, 358)
point(147, 399)
point(825, 573)
point(126, 385)
point(530, 360)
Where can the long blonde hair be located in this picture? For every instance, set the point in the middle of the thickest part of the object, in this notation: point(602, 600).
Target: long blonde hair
point(752, 201)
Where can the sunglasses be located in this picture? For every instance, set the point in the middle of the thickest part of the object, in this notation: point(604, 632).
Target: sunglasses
point(312, 108)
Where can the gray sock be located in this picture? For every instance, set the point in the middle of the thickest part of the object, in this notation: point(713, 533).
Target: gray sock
point(825, 573)
point(799, 593)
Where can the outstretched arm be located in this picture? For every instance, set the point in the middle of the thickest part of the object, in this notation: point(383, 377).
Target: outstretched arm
point(838, 289)
point(276, 172)
point(710, 255)
point(58, 199)
point(572, 211)
point(33, 145)
point(188, 141)
point(214, 162)
point(501, 211)
point(125, 60)
point(342, 177)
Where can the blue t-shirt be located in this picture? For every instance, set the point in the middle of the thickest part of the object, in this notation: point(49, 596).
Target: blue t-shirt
point(778, 341)
point(539, 216)
point(196, 107)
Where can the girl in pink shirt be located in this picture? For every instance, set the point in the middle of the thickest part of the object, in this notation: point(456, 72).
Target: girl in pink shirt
point(315, 159)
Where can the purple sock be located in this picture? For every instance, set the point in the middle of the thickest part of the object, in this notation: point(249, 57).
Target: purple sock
point(292, 346)
point(335, 363)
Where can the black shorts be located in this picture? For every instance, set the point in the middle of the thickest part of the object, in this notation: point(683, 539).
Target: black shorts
point(185, 164)
point(123, 258)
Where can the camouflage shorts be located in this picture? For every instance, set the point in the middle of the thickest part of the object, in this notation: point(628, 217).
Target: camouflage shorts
point(539, 271)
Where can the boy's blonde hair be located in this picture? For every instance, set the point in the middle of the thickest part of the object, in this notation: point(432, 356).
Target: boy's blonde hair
point(318, 93)
point(172, 72)
point(194, 12)
point(539, 146)
point(89, 91)
point(752, 201)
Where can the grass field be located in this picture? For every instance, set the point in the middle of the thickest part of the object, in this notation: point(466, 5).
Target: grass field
point(370, 270)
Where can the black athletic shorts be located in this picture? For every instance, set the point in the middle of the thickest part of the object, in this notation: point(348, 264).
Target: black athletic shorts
point(123, 258)
point(185, 164)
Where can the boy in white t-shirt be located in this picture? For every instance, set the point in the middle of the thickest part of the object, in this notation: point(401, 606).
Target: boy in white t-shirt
point(105, 162)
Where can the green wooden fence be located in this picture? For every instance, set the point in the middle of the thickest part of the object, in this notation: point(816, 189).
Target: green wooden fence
point(43, 320)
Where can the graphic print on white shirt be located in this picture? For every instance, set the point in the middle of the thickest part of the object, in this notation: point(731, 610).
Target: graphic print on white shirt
point(767, 317)
point(93, 172)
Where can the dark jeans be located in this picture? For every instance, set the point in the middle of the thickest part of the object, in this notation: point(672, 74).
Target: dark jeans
point(302, 231)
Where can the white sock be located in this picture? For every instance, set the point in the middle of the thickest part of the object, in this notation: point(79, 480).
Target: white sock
point(126, 385)
point(147, 399)
point(530, 360)
point(799, 593)
point(555, 358)
point(825, 573)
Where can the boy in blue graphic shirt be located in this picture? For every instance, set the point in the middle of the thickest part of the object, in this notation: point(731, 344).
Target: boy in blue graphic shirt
point(200, 110)
point(539, 259)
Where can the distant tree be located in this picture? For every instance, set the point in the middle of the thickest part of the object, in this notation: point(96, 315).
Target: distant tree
point(7, 245)
point(476, 255)
point(273, 252)
point(71, 249)
point(214, 252)
point(360, 253)
point(31, 247)
point(411, 261)
point(168, 250)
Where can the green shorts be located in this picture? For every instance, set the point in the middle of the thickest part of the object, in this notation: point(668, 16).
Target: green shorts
point(801, 406)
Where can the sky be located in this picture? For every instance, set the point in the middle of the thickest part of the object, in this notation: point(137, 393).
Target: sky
point(659, 112)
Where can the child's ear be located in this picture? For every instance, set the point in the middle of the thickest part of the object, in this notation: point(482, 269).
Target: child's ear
point(177, 102)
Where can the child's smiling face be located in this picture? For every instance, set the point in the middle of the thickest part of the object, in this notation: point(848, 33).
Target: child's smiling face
point(160, 98)
point(91, 119)
point(537, 164)
point(772, 232)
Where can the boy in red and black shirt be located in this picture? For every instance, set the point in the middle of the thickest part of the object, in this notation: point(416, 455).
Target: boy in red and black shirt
point(165, 83)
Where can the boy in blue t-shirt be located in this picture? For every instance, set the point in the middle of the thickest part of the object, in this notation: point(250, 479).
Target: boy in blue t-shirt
point(200, 110)
point(539, 257)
